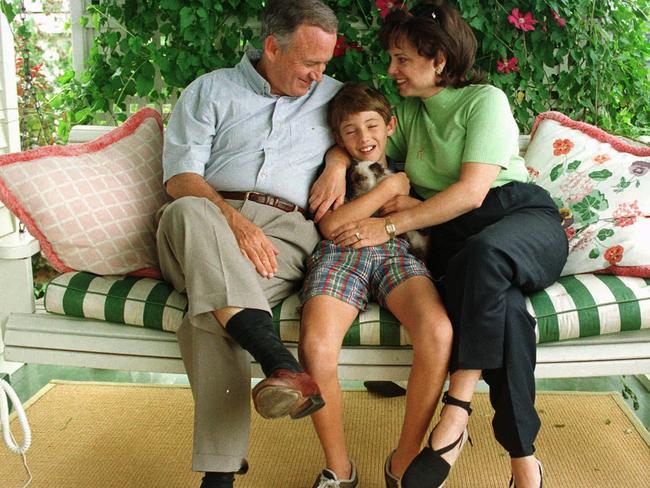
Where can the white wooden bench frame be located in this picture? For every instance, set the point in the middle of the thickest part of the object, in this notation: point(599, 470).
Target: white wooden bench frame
point(32, 335)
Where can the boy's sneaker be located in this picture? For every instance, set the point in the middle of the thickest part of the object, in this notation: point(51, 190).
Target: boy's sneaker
point(327, 479)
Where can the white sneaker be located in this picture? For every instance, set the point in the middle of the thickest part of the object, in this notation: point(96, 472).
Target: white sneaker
point(328, 479)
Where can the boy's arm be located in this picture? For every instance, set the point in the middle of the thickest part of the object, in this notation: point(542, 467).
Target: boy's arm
point(366, 205)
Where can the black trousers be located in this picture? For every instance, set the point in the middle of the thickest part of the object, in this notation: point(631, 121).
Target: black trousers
point(484, 262)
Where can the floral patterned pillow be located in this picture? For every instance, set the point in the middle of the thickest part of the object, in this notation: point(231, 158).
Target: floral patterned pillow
point(601, 185)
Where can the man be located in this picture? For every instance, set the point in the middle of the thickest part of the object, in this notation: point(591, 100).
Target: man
point(242, 148)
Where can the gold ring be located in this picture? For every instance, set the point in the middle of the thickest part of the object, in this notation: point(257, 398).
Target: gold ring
point(358, 236)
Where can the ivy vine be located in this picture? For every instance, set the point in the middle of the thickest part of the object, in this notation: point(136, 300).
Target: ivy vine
point(585, 58)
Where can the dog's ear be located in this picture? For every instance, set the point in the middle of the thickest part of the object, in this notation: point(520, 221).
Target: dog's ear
point(352, 182)
point(377, 169)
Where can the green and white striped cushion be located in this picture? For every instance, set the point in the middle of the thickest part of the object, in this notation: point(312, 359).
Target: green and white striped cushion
point(127, 300)
point(574, 306)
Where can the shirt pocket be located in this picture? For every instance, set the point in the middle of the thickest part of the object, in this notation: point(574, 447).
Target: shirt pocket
point(310, 139)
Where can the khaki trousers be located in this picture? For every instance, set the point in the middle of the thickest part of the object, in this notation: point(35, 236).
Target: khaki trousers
point(200, 256)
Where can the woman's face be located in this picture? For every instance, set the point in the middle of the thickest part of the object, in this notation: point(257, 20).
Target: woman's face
point(414, 74)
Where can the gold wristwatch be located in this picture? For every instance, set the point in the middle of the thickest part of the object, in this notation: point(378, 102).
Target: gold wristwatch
point(390, 227)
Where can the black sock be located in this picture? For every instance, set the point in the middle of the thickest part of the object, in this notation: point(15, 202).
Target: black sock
point(218, 480)
point(253, 330)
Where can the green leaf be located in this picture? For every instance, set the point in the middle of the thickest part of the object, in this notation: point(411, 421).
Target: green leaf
point(601, 175)
point(557, 171)
point(187, 17)
point(572, 166)
point(597, 199)
point(594, 253)
point(604, 234)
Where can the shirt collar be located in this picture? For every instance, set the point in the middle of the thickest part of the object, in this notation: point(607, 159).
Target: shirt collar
point(247, 67)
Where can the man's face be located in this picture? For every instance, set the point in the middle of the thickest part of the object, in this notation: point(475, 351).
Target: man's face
point(292, 70)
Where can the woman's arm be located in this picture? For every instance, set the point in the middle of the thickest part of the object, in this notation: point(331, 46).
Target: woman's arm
point(366, 205)
point(459, 198)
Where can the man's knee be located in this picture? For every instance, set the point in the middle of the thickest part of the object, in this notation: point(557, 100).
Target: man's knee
point(183, 212)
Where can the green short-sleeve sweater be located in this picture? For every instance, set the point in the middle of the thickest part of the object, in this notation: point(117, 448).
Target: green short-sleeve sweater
point(435, 136)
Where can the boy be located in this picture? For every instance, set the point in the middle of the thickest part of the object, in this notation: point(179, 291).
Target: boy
point(342, 279)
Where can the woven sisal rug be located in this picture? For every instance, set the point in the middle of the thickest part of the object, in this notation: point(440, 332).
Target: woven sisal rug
point(95, 435)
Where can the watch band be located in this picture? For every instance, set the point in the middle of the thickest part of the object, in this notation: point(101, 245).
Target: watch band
point(390, 227)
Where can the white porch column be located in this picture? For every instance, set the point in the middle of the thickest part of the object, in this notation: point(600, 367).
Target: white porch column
point(9, 142)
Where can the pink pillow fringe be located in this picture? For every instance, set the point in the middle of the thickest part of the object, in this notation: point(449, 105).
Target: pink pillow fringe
point(590, 130)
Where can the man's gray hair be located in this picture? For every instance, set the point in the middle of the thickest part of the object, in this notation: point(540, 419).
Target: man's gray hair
point(281, 18)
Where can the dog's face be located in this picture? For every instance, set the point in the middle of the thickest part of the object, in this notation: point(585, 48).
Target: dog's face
point(363, 176)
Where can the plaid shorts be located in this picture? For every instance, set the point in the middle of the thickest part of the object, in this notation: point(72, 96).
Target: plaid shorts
point(356, 276)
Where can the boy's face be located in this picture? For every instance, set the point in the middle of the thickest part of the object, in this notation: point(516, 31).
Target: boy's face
point(364, 135)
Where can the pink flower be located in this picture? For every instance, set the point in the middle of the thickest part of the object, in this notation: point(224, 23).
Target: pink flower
point(507, 66)
point(626, 214)
point(385, 6)
point(576, 186)
point(601, 158)
point(558, 20)
point(525, 22)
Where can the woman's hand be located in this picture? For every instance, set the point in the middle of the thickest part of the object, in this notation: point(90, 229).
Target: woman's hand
point(398, 204)
point(362, 233)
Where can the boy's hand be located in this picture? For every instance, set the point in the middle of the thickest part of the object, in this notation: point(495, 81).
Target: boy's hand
point(398, 184)
point(398, 204)
point(328, 191)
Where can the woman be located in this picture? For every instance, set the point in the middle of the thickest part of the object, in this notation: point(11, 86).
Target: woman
point(494, 237)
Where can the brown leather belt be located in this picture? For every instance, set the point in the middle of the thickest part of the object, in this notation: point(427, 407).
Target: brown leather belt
point(264, 199)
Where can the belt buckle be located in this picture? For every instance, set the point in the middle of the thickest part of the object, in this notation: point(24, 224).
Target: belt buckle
point(247, 195)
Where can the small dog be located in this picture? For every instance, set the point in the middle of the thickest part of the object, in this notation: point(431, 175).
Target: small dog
point(362, 177)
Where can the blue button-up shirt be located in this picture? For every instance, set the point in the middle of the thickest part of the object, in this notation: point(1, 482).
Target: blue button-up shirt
point(229, 128)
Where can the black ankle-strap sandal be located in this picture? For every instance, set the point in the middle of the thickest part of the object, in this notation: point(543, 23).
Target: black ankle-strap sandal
point(450, 400)
point(428, 468)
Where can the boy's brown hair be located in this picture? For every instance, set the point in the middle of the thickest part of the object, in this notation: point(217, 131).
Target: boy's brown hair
point(354, 98)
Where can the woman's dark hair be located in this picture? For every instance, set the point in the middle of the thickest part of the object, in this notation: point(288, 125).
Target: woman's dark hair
point(436, 30)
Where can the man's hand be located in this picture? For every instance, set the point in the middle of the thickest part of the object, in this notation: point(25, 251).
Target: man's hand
point(398, 204)
point(328, 191)
point(254, 244)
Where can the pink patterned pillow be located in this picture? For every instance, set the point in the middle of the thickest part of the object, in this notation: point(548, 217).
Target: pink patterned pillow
point(92, 206)
point(601, 185)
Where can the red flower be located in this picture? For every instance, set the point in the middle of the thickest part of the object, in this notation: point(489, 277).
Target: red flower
point(562, 146)
point(507, 66)
point(385, 6)
point(601, 158)
point(570, 233)
point(341, 46)
point(525, 22)
point(558, 20)
point(532, 172)
point(614, 254)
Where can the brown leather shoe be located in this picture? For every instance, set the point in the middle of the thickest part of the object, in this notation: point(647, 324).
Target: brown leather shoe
point(287, 393)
